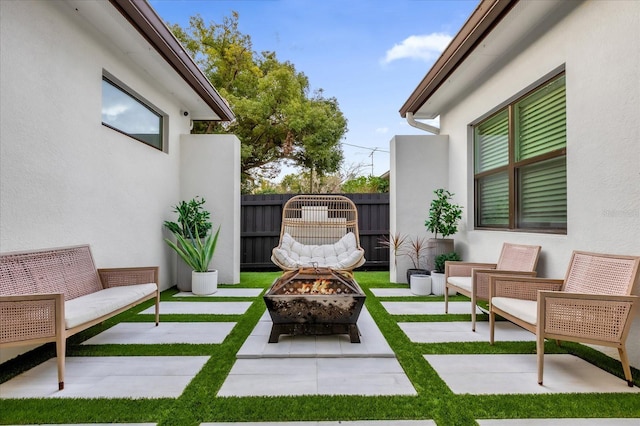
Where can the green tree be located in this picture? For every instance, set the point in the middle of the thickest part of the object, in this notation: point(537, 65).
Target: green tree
point(276, 117)
point(365, 184)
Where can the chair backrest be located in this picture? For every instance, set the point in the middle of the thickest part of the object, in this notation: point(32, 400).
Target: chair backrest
point(595, 273)
point(68, 270)
point(319, 219)
point(518, 257)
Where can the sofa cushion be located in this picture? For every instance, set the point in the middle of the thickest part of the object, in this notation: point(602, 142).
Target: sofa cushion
point(526, 310)
point(461, 282)
point(94, 305)
point(343, 254)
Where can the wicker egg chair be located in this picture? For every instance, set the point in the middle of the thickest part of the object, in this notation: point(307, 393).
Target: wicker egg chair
point(319, 231)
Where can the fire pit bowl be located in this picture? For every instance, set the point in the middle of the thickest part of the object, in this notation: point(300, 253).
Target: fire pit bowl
point(312, 301)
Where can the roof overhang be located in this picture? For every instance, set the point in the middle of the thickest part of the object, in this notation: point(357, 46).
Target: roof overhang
point(493, 32)
point(135, 29)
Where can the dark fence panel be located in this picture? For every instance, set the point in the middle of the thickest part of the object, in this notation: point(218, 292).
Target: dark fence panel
point(261, 216)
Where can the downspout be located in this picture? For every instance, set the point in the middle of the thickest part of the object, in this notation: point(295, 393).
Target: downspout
point(420, 125)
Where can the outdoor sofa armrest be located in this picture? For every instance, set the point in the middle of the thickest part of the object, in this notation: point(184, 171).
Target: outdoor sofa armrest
point(463, 269)
point(115, 277)
point(32, 318)
point(521, 287)
point(480, 279)
point(589, 318)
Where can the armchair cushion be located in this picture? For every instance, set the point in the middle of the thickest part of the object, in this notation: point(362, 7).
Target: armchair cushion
point(461, 282)
point(526, 310)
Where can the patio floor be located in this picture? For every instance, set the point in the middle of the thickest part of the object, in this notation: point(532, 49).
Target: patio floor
point(322, 365)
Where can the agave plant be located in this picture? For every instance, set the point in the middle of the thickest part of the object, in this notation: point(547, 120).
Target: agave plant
point(195, 253)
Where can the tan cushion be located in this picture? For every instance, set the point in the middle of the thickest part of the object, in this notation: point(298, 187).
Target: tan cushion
point(91, 306)
point(461, 282)
point(526, 310)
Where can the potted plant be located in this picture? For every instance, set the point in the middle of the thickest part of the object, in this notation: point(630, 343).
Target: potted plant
point(396, 244)
point(198, 254)
point(416, 249)
point(443, 220)
point(193, 221)
point(437, 275)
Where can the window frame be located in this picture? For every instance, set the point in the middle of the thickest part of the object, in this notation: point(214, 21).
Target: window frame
point(162, 116)
point(513, 167)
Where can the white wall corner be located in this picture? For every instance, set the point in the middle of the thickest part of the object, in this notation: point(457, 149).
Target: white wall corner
point(210, 168)
point(419, 165)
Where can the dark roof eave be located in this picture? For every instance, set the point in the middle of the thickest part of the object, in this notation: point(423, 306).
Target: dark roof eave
point(478, 26)
point(142, 16)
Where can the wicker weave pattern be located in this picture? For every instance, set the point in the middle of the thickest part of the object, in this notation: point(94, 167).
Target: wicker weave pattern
point(27, 319)
point(587, 318)
point(595, 274)
point(319, 220)
point(70, 271)
point(128, 276)
point(517, 287)
point(518, 257)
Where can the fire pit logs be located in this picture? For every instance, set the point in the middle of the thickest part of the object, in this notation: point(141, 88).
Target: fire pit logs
point(314, 301)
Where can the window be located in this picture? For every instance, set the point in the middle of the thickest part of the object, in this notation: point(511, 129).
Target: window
point(520, 165)
point(128, 114)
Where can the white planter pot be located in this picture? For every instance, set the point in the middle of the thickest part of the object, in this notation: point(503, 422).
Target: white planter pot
point(437, 284)
point(421, 285)
point(203, 283)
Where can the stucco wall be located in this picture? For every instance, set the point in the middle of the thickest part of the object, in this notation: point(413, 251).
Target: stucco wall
point(210, 168)
point(597, 43)
point(65, 178)
point(418, 167)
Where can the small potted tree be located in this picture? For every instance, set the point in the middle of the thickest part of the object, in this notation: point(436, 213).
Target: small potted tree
point(443, 220)
point(437, 275)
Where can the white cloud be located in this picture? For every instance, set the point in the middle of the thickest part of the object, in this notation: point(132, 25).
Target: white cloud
point(422, 47)
point(382, 130)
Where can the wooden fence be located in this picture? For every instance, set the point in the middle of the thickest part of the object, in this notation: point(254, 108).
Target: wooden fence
point(261, 217)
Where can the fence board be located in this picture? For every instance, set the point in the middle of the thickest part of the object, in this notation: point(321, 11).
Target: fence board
point(261, 216)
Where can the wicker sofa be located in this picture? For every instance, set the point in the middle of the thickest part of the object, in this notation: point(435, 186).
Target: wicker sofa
point(51, 294)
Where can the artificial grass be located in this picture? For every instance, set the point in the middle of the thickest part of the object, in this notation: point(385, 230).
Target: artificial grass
point(199, 402)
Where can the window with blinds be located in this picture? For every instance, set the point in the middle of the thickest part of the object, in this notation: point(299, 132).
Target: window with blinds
point(520, 167)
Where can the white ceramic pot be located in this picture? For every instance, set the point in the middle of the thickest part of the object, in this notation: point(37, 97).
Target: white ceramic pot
point(204, 283)
point(421, 285)
point(437, 284)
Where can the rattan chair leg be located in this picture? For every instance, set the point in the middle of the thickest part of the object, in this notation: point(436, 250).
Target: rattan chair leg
point(473, 311)
point(446, 298)
point(624, 359)
point(158, 309)
point(492, 323)
point(60, 354)
point(540, 353)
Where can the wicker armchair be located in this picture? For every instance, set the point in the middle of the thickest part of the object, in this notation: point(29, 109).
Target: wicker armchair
point(472, 279)
point(593, 304)
point(319, 230)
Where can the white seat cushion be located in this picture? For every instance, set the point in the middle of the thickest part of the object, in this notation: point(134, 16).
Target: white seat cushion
point(94, 305)
point(343, 254)
point(526, 310)
point(461, 282)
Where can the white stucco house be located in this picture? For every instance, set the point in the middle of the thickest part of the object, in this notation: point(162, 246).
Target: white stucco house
point(576, 63)
point(97, 100)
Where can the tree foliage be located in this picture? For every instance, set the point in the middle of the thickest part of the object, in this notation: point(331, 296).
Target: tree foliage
point(277, 119)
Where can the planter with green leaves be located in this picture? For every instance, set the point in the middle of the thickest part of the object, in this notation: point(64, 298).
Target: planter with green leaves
point(437, 275)
point(443, 220)
point(198, 254)
point(193, 220)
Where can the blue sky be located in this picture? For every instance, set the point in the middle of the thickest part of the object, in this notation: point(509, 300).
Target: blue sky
point(368, 54)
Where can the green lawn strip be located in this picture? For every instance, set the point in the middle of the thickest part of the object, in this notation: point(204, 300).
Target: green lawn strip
point(75, 410)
